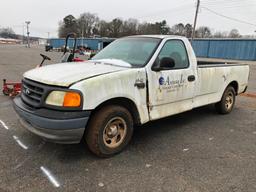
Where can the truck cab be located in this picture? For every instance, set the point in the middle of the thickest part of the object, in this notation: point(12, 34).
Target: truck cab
point(132, 81)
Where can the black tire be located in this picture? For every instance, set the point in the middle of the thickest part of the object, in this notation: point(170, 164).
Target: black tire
point(7, 92)
point(104, 126)
point(227, 103)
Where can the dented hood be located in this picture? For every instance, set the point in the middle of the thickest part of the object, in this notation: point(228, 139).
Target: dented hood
point(65, 74)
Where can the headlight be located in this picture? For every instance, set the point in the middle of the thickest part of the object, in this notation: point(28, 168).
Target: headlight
point(64, 99)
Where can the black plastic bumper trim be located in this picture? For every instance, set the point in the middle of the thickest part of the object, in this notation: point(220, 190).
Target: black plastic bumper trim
point(67, 128)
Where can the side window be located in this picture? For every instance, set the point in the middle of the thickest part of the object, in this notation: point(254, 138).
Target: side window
point(176, 50)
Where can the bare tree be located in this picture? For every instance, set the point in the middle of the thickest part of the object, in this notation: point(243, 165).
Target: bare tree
point(143, 28)
point(116, 27)
point(234, 33)
point(87, 23)
point(178, 29)
point(203, 32)
point(188, 29)
point(220, 34)
point(130, 27)
point(104, 28)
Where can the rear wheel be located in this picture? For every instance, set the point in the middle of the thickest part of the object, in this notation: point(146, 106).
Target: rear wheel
point(227, 102)
point(7, 91)
point(109, 131)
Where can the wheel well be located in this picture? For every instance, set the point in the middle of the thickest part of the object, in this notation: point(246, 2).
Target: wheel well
point(234, 84)
point(124, 102)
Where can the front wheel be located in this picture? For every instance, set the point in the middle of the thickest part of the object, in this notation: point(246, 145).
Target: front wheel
point(109, 131)
point(227, 102)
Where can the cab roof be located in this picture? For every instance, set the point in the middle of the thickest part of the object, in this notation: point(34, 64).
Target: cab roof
point(158, 36)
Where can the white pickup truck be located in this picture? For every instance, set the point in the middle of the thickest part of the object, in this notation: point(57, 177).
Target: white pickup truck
point(132, 81)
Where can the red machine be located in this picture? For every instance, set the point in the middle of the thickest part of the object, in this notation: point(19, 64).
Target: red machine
point(11, 88)
point(14, 88)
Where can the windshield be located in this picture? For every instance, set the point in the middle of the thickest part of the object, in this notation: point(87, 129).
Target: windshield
point(135, 51)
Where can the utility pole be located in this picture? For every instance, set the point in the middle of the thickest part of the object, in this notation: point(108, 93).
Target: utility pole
point(83, 36)
point(23, 33)
point(195, 21)
point(48, 38)
point(28, 22)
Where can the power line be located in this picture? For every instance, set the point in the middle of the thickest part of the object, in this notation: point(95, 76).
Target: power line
point(227, 1)
point(229, 4)
point(172, 10)
point(251, 5)
point(227, 17)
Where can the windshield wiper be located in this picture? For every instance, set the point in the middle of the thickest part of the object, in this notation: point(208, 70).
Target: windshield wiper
point(108, 62)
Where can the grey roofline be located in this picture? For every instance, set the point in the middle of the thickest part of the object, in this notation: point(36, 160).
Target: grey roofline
point(157, 36)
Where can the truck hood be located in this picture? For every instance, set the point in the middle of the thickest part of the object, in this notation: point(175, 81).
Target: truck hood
point(65, 74)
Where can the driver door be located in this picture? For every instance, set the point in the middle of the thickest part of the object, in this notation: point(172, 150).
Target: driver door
point(171, 90)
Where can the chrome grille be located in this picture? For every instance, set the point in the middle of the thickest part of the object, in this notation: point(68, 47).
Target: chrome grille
point(32, 93)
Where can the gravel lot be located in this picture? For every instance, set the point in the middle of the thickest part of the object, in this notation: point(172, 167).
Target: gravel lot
point(194, 151)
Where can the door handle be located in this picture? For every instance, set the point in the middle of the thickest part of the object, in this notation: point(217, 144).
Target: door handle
point(140, 85)
point(191, 78)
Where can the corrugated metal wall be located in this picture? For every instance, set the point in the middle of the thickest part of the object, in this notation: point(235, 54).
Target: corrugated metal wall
point(238, 49)
point(92, 43)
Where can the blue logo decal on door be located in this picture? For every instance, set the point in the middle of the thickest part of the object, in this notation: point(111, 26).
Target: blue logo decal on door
point(161, 81)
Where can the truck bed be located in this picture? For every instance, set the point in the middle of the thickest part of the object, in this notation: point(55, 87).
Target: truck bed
point(208, 65)
point(216, 63)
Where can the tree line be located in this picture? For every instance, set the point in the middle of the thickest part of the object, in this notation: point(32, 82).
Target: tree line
point(90, 25)
point(8, 33)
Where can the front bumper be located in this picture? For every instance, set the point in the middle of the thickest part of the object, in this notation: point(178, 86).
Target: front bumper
point(52, 125)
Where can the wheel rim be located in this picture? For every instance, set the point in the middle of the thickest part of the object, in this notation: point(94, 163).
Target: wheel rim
point(229, 101)
point(114, 132)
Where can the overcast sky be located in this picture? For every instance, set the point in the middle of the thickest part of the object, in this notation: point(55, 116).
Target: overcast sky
point(46, 14)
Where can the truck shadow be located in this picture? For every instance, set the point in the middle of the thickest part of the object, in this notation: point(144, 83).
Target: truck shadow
point(175, 122)
point(157, 131)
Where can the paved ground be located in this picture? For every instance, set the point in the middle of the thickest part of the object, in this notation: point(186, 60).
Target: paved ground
point(194, 151)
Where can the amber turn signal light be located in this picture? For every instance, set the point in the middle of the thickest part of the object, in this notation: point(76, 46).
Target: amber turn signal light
point(72, 99)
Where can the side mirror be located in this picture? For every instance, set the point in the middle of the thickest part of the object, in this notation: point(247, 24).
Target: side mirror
point(167, 63)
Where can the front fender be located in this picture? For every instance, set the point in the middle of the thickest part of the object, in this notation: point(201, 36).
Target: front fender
point(100, 89)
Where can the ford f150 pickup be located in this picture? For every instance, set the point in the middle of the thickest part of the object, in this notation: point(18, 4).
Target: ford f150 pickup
point(132, 81)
